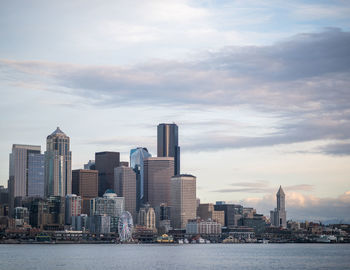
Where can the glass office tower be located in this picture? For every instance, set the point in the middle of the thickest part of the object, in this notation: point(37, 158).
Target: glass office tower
point(58, 165)
point(36, 179)
point(137, 157)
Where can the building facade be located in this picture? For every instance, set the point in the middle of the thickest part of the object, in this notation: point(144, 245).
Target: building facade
point(100, 224)
point(137, 157)
point(233, 213)
point(90, 165)
point(206, 212)
point(183, 200)
point(85, 184)
point(26, 173)
point(125, 186)
point(111, 205)
point(58, 164)
point(278, 217)
point(202, 227)
point(157, 175)
point(55, 213)
point(168, 144)
point(72, 207)
point(147, 217)
point(36, 175)
point(105, 162)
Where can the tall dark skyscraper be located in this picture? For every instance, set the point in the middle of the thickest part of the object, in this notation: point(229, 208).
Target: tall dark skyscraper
point(168, 144)
point(105, 162)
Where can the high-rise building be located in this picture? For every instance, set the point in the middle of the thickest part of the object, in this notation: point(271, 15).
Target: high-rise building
point(4, 201)
point(36, 175)
point(157, 175)
point(233, 213)
point(80, 223)
point(183, 200)
point(168, 144)
point(58, 165)
point(124, 163)
point(85, 184)
point(206, 211)
point(111, 205)
point(56, 213)
point(147, 217)
point(38, 211)
point(125, 186)
point(137, 157)
point(26, 174)
point(278, 217)
point(163, 218)
point(100, 224)
point(105, 162)
point(21, 214)
point(90, 165)
point(72, 207)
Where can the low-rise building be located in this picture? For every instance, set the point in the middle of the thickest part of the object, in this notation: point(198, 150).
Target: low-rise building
point(197, 226)
point(206, 211)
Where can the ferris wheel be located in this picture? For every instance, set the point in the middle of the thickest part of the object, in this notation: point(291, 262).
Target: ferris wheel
point(125, 226)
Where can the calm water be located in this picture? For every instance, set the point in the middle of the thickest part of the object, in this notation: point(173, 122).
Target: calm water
point(212, 256)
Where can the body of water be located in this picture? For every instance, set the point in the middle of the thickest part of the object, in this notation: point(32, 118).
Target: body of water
point(190, 256)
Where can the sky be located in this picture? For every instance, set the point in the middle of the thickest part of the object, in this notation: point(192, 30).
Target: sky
point(260, 91)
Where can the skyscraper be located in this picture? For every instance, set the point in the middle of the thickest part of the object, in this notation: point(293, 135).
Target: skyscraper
point(85, 183)
point(105, 162)
point(157, 174)
point(125, 186)
point(168, 144)
point(183, 200)
point(36, 175)
point(278, 217)
point(58, 165)
point(26, 172)
point(137, 157)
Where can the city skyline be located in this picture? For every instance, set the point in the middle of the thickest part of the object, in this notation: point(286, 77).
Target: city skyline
point(260, 93)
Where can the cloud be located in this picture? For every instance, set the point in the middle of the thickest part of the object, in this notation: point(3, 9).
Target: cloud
point(121, 141)
point(301, 81)
point(306, 207)
point(303, 187)
point(261, 187)
point(248, 190)
point(336, 149)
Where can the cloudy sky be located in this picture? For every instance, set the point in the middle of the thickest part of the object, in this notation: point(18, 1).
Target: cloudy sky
point(260, 91)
